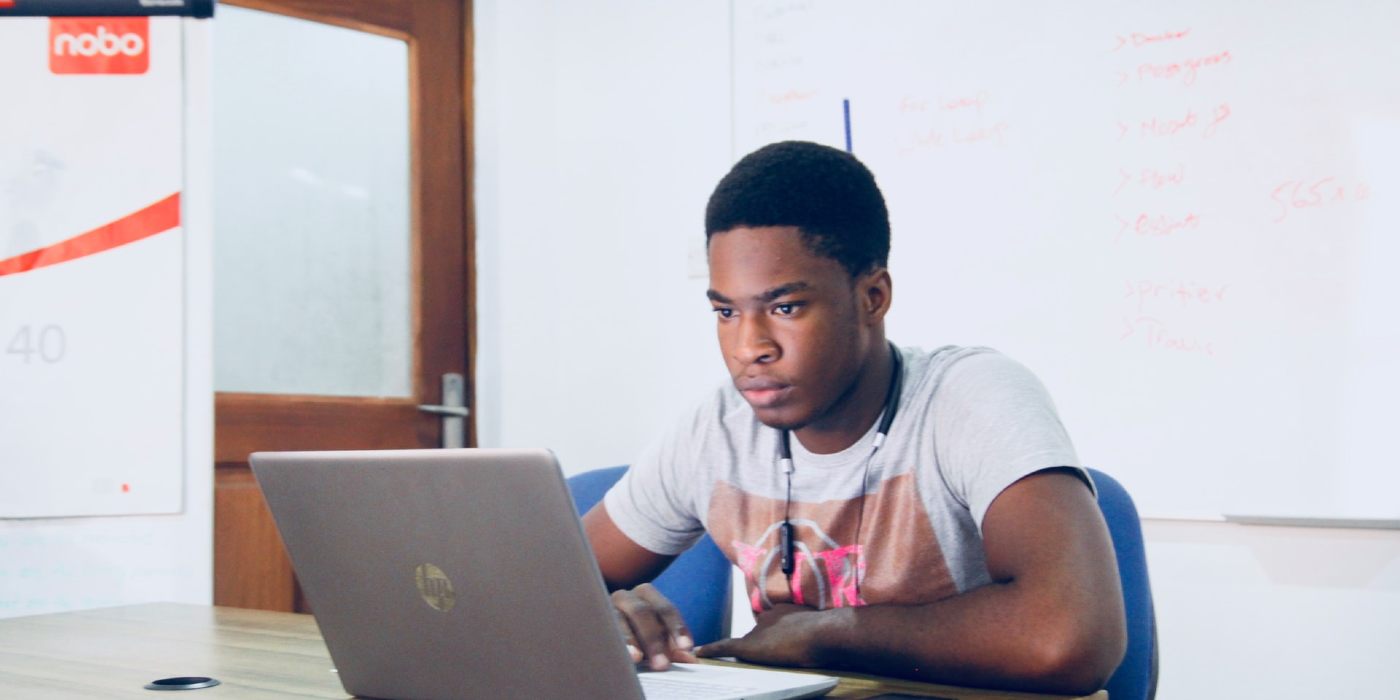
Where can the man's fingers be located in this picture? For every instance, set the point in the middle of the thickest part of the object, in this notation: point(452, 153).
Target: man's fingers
point(670, 616)
point(626, 630)
point(723, 647)
point(685, 656)
point(648, 631)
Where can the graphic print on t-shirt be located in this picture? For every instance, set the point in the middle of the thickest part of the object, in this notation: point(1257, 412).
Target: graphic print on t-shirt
point(843, 556)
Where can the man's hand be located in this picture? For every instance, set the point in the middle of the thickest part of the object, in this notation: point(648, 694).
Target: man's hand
point(652, 627)
point(784, 635)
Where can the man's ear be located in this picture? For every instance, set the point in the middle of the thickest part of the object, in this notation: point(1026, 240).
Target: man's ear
point(875, 291)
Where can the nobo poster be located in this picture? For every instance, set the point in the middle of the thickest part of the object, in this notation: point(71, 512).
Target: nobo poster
point(91, 266)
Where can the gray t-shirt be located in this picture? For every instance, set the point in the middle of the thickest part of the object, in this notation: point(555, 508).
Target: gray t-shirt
point(902, 526)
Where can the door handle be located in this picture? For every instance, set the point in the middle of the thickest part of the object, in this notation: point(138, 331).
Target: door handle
point(453, 410)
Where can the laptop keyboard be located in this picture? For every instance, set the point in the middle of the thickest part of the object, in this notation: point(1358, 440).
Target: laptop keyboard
point(657, 686)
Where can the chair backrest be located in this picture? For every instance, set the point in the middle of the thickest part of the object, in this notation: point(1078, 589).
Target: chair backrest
point(698, 581)
point(1136, 677)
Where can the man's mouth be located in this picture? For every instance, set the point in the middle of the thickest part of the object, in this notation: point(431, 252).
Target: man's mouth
point(763, 393)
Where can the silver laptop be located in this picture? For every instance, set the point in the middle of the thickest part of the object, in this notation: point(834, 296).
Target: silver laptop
point(465, 573)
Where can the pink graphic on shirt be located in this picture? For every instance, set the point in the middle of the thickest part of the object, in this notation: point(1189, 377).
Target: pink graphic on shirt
point(877, 548)
point(844, 567)
point(837, 570)
point(746, 558)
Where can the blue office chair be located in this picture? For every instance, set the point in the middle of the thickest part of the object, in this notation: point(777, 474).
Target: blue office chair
point(698, 581)
point(699, 584)
point(1136, 677)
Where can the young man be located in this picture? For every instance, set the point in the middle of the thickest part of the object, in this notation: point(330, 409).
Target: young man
point(965, 549)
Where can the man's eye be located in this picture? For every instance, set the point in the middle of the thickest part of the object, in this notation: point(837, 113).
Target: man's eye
point(785, 309)
point(724, 313)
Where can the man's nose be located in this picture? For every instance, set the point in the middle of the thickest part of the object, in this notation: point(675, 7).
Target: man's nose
point(755, 344)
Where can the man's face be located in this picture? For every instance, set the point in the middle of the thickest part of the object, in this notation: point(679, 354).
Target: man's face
point(792, 326)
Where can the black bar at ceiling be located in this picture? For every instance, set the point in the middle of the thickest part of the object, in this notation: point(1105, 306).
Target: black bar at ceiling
point(106, 8)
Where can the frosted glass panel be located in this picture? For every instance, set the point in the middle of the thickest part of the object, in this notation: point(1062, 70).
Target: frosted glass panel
point(311, 208)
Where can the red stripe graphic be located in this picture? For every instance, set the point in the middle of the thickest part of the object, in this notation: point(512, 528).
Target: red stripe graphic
point(157, 218)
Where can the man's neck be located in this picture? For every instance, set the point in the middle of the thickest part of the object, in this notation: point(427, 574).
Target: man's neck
point(854, 412)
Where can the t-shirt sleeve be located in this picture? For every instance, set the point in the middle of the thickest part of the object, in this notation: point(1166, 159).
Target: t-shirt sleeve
point(654, 503)
point(994, 424)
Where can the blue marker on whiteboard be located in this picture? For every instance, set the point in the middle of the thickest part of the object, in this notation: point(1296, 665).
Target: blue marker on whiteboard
point(846, 108)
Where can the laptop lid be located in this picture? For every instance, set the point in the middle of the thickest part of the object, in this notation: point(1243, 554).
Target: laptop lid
point(448, 573)
point(466, 573)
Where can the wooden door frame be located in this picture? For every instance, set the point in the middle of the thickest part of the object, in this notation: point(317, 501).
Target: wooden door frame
point(441, 206)
point(439, 200)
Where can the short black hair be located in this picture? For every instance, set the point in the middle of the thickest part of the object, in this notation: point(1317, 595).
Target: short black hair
point(826, 193)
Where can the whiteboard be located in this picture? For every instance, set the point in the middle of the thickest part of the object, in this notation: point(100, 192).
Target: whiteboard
point(1184, 217)
point(92, 276)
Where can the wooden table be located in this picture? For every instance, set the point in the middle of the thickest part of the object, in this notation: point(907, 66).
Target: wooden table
point(114, 652)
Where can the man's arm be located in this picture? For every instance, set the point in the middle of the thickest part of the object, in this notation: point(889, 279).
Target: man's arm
point(1051, 620)
point(650, 624)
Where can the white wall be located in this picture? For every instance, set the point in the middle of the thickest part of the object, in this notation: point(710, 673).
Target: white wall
point(55, 564)
point(598, 140)
point(601, 128)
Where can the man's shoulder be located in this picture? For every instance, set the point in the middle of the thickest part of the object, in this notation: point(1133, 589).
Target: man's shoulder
point(927, 370)
point(961, 376)
point(722, 410)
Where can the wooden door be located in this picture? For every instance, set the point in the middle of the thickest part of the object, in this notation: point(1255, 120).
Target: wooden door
point(250, 566)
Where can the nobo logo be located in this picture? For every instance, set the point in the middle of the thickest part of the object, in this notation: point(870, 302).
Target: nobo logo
point(85, 45)
point(435, 587)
